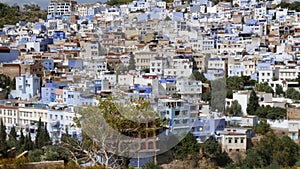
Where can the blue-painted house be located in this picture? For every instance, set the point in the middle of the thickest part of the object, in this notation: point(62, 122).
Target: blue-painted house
point(143, 90)
point(75, 64)
point(204, 127)
point(48, 64)
point(59, 35)
point(48, 93)
point(177, 114)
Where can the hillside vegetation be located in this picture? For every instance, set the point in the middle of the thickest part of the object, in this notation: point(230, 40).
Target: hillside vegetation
point(10, 15)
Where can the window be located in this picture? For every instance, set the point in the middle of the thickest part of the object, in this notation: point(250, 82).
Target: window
point(242, 140)
point(177, 113)
point(229, 141)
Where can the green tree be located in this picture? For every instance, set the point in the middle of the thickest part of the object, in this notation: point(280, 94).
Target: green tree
point(3, 141)
point(12, 141)
point(214, 151)
point(39, 142)
point(279, 90)
point(235, 109)
point(114, 121)
point(196, 75)
point(288, 152)
point(235, 83)
point(264, 87)
point(13, 133)
point(146, 70)
point(42, 136)
point(35, 155)
point(28, 144)
point(229, 93)
point(206, 96)
point(54, 153)
point(269, 112)
point(272, 151)
point(117, 2)
point(131, 62)
point(151, 165)
point(292, 94)
point(262, 128)
point(84, 22)
point(253, 105)
point(47, 136)
point(231, 166)
point(21, 140)
point(187, 146)
point(253, 159)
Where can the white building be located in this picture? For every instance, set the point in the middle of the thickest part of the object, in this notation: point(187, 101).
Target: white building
point(27, 86)
point(266, 75)
point(243, 99)
point(234, 141)
point(288, 73)
point(59, 118)
point(189, 89)
point(179, 68)
point(157, 66)
point(61, 7)
point(260, 12)
point(82, 10)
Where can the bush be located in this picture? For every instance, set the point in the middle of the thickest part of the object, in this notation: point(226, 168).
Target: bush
point(35, 155)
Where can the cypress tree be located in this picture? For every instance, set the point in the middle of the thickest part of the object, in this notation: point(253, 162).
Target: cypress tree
point(131, 62)
point(39, 135)
point(12, 137)
point(42, 136)
point(13, 133)
point(253, 105)
point(22, 139)
point(28, 144)
point(66, 136)
point(3, 141)
point(47, 136)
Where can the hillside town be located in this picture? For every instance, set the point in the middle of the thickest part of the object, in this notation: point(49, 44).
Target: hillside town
point(212, 69)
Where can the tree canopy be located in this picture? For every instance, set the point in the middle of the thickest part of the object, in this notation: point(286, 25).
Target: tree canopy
point(272, 150)
point(253, 105)
point(196, 75)
point(264, 87)
point(131, 62)
point(214, 151)
point(292, 6)
point(13, 14)
point(3, 143)
point(262, 128)
point(117, 2)
point(279, 90)
point(187, 146)
point(292, 94)
point(235, 109)
point(42, 136)
point(269, 112)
